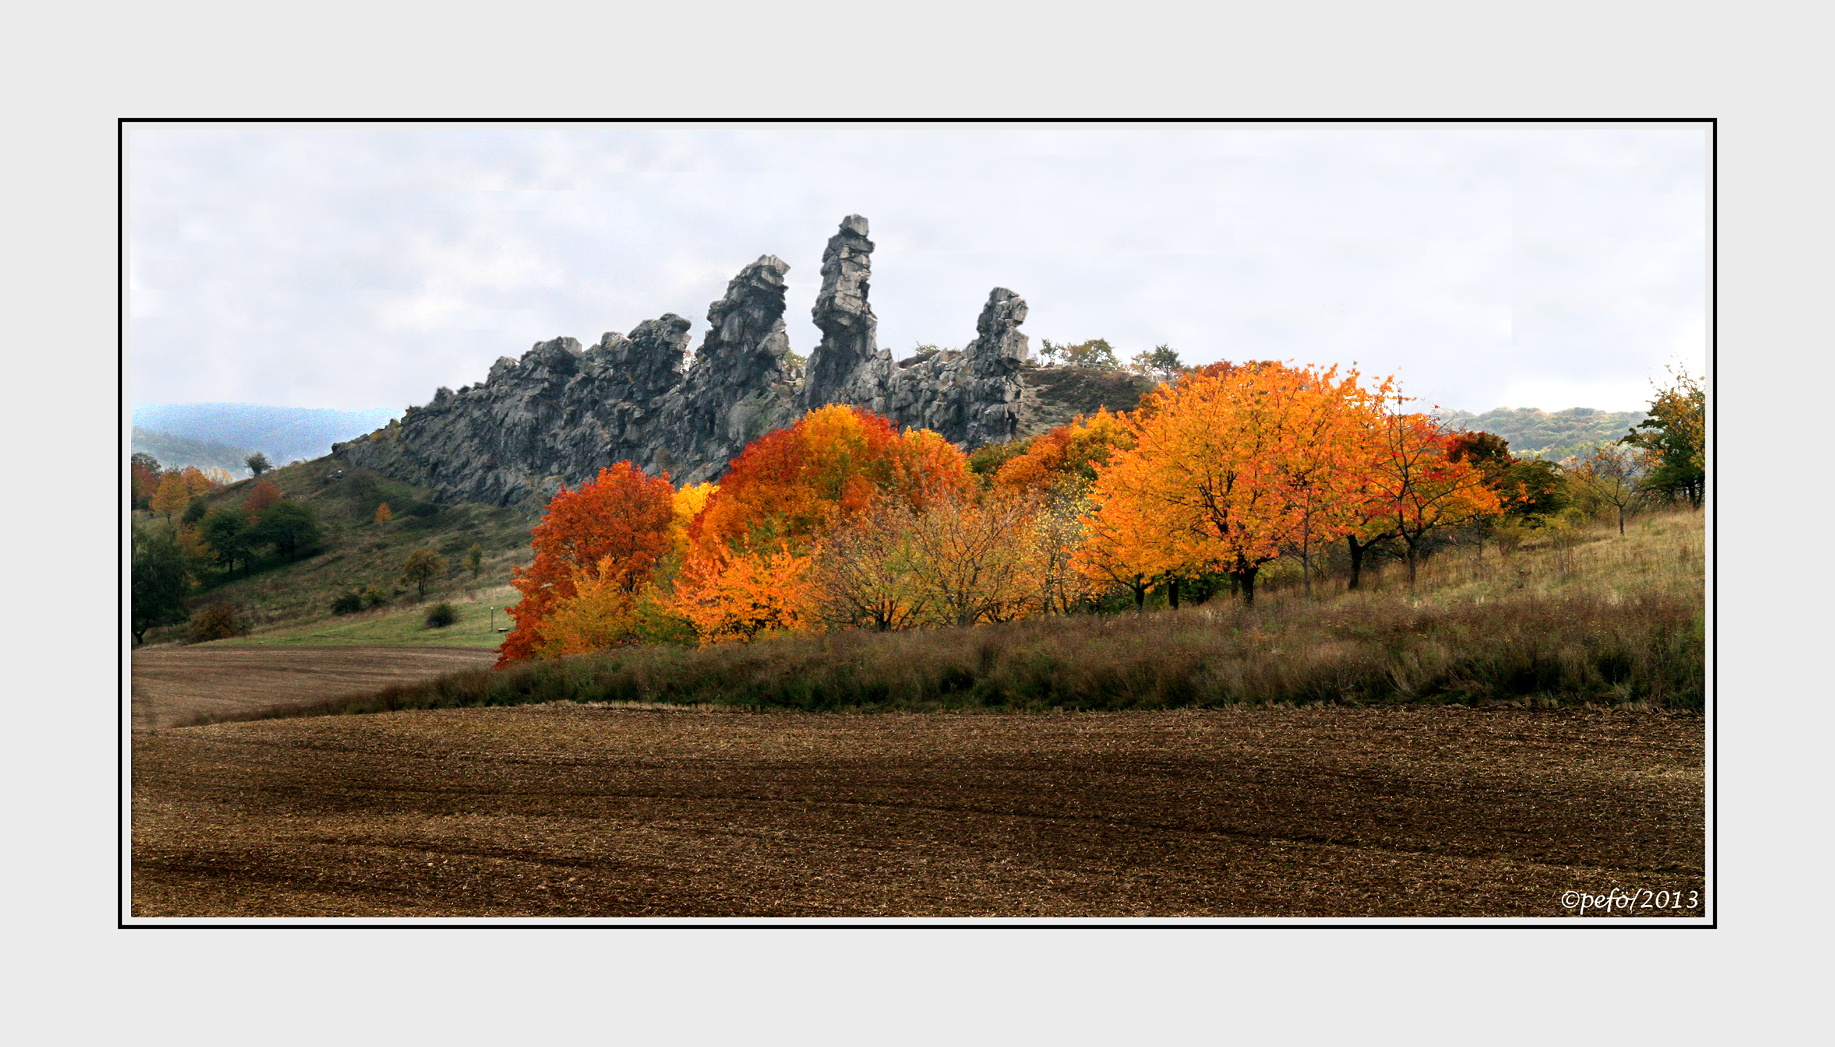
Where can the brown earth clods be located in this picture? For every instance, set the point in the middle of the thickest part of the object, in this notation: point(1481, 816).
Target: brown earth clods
point(184, 685)
point(582, 811)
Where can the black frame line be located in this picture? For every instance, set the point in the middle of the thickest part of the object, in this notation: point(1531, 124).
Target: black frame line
point(1709, 718)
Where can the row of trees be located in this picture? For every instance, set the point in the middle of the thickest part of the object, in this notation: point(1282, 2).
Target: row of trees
point(841, 520)
point(168, 491)
point(1160, 363)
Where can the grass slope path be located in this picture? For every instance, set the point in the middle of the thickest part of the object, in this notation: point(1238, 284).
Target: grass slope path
point(188, 685)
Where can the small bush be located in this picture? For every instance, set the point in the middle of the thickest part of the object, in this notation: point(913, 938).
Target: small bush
point(442, 615)
point(347, 603)
point(217, 622)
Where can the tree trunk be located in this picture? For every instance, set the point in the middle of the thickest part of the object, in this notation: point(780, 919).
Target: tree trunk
point(1411, 560)
point(1172, 592)
point(1140, 595)
point(1245, 578)
point(1357, 561)
point(1621, 521)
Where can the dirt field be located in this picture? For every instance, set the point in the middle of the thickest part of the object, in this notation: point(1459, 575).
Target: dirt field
point(178, 685)
point(573, 811)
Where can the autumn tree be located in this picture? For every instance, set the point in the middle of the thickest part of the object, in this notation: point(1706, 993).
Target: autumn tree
point(1064, 460)
point(745, 593)
point(1056, 532)
point(201, 482)
point(143, 478)
point(985, 462)
point(420, 567)
point(612, 530)
point(474, 559)
point(1328, 455)
point(1230, 469)
point(1419, 487)
point(978, 561)
point(383, 513)
point(172, 495)
point(1124, 546)
point(1529, 490)
point(787, 492)
point(1612, 475)
point(1674, 439)
point(795, 484)
point(863, 573)
point(260, 497)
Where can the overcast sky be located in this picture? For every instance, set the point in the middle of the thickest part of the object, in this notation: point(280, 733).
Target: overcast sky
point(364, 265)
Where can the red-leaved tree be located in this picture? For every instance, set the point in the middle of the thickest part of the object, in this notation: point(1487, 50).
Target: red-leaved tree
point(613, 529)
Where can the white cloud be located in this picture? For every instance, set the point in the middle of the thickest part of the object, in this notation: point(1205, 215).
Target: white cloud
point(1476, 262)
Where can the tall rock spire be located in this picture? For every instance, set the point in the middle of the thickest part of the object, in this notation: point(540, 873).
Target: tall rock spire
point(847, 367)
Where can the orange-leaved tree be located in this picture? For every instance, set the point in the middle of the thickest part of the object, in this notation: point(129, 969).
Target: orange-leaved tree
point(1231, 467)
point(204, 481)
point(171, 496)
point(1064, 460)
point(614, 529)
point(745, 593)
point(1329, 454)
point(1420, 485)
point(795, 484)
point(782, 496)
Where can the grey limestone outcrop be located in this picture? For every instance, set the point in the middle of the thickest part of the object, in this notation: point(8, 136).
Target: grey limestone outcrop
point(561, 413)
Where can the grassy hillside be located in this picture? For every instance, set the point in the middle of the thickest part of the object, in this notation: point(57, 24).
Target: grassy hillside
point(1576, 617)
point(358, 553)
point(481, 614)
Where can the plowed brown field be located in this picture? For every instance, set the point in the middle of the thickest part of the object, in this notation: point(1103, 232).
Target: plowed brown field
point(578, 811)
point(180, 685)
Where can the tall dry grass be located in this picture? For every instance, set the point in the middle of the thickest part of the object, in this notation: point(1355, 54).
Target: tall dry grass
point(1577, 617)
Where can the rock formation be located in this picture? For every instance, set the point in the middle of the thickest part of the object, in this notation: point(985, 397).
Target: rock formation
point(561, 413)
point(848, 366)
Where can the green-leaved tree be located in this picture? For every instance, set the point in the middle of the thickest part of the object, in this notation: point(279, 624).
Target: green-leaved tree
point(160, 582)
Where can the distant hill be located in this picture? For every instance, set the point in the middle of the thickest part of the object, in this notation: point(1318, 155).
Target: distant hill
point(1542, 434)
point(282, 433)
point(176, 452)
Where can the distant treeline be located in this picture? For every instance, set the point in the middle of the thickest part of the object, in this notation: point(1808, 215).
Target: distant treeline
point(1549, 435)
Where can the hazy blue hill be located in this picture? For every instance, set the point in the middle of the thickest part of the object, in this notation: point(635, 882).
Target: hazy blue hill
point(281, 433)
point(1551, 435)
point(176, 452)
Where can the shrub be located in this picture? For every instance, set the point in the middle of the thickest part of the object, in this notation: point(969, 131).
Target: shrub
point(347, 603)
point(217, 622)
point(442, 615)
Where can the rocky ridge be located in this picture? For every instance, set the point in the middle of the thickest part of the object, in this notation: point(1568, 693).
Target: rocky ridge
point(561, 412)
